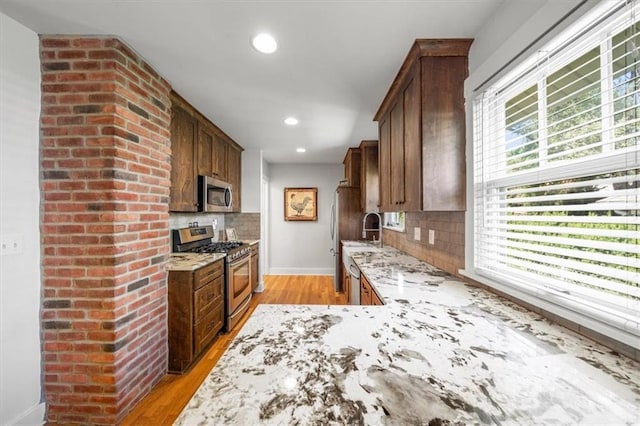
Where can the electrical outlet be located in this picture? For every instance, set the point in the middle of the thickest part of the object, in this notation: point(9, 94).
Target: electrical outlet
point(416, 233)
point(432, 236)
point(10, 244)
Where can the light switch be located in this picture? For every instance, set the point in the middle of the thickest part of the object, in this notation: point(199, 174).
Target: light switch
point(432, 236)
point(10, 244)
point(416, 233)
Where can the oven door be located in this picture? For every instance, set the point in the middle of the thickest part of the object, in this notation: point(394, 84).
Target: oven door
point(238, 290)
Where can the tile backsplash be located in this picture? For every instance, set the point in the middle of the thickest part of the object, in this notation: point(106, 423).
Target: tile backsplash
point(247, 225)
point(447, 252)
point(182, 220)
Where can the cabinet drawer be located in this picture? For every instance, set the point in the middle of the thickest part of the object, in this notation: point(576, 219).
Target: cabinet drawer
point(206, 296)
point(207, 273)
point(208, 327)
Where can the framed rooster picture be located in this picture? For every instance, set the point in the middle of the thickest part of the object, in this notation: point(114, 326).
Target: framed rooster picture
point(300, 204)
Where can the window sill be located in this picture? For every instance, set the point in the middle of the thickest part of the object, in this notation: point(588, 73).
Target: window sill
point(623, 336)
point(394, 228)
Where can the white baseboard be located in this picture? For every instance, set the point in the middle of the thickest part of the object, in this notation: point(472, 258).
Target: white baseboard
point(32, 417)
point(300, 271)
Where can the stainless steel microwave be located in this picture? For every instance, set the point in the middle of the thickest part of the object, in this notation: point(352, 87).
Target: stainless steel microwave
point(214, 195)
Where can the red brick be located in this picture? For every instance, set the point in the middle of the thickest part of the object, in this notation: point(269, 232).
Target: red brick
point(115, 247)
point(88, 43)
point(85, 65)
point(72, 54)
point(55, 42)
point(71, 76)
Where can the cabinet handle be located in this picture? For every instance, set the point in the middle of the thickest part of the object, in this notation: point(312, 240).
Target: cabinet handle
point(210, 297)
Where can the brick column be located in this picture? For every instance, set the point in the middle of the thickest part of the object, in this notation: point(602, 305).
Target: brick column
point(105, 170)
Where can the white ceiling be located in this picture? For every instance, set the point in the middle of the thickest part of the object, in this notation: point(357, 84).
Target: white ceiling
point(335, 62)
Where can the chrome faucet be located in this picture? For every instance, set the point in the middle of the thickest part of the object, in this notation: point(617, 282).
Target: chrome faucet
point(365, 229)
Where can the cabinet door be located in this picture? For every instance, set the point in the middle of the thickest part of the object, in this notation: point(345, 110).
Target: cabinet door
point(219, 163)
point(444, 180)
point(365, 291)
point(397, 155)
point(375, 300)
point(412, 146)
point(369, 177)
point(352, 167)
point(205, 151)
point(384, 157)
point(346, 279)
point(183, 197)
point(234, 162)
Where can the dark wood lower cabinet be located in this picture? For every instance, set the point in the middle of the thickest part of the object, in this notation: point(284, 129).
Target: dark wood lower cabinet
point(196, 313)
point(368, 295)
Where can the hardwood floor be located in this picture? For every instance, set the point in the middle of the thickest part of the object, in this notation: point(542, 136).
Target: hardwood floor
point(166, 401)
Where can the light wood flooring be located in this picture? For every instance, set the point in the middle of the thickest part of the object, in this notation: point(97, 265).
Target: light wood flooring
point(166, 401)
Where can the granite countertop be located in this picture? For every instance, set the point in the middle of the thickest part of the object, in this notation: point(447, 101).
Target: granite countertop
point(439, 351)
point(191, 261)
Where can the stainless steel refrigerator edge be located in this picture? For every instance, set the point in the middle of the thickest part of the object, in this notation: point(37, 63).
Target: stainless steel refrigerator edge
point(345, 223)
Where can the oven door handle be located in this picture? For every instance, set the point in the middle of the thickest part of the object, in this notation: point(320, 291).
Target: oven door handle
point(240, 260)
point(240, 309)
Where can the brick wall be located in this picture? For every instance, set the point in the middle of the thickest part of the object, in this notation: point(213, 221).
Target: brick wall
point(105, 173)
point(448, 251)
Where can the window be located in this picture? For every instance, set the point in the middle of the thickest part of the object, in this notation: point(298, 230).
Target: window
point(557, 170)
point(394, 221)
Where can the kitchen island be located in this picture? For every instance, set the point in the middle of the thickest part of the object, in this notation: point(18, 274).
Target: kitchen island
point(438, 352)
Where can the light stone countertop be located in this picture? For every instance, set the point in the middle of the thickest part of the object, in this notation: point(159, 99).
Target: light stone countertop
point(439, 351)
point(191, 261)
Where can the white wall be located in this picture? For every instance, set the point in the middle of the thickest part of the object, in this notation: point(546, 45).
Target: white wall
point(301, 248)
point(251, 181)
point(20, 278)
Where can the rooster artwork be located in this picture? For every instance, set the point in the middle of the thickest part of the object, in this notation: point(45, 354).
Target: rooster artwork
point(300, 203)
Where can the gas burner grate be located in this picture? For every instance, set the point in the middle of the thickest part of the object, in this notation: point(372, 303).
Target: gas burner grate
point(219, 247)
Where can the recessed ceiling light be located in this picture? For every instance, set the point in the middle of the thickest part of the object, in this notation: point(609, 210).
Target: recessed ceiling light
point(301, 150)
point(264, 43)
point(291, 121)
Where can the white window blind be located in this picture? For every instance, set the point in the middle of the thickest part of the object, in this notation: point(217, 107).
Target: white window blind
point(557, 169)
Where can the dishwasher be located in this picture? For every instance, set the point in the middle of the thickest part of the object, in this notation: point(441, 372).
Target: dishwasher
point(353, 270)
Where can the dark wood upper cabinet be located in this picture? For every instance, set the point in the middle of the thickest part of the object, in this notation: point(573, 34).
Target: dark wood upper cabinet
point(212, 152)
point(205, 150)
point(199, 147)
point(219, 170)
point(411, 148)
point(384, 164)
point(183, 174)
point(443, 124)
point(352, 165)
point(397, 154)
point(234, 163)
point(421, 125)
point(369, 178)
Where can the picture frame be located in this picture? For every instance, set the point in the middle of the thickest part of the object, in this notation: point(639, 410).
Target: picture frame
point(231, 234)
point(301, 204)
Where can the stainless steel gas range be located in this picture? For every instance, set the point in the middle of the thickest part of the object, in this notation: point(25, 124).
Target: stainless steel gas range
point(198, 239)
